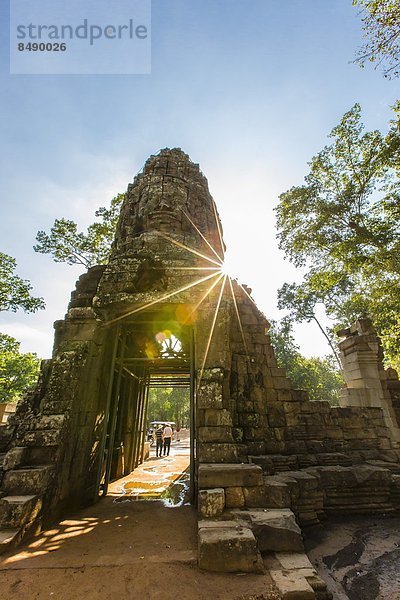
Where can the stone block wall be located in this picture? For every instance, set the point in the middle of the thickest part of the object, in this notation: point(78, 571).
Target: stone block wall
point(229, 486)
point(50, 461)
point(316, 492)
point(264, 415)
point(392, 383)
point(246, 408)
point(366, 380)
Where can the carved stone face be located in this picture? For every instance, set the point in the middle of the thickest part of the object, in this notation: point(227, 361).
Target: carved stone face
point(160, 208)
point(171, 197)
point(163, 212)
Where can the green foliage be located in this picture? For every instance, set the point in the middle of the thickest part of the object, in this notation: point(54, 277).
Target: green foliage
point(18, 371)
point(66, 244)
point(319, 376)
point(381, 25)
point(345, 209)
point(14, 291)
point(343, 228)
point(169, 404)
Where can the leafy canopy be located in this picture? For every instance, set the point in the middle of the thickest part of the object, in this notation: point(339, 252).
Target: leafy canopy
point(342, 227)
point(381, 25)
point(18, 371)
point(169, 404)
point(66, 244)
point(15, 292)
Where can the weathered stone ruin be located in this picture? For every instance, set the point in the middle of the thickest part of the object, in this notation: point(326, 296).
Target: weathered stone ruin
point(368, 383)
point(266, 461)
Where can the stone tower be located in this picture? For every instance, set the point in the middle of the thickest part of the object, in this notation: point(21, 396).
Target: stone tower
point(163, 308)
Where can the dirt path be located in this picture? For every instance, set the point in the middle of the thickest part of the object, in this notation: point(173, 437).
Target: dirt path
point(154, 477)
point(126, 547)
point(131, 549)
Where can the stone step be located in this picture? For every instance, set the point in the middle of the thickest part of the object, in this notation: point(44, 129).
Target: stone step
point(7, 537)
point(228, 547)
point(393, 467)
point(298, 563)
point(275, 530)
point(211, 503)
point(277, 492)
point(42, 437)
point(358, 509)
point(27, 480)
point(17, 511)
point(292, 585)
point(275, 462)
point(47, 422)
point(14, 458)
point(229, 475)
point(5, 436)
point(55, 407)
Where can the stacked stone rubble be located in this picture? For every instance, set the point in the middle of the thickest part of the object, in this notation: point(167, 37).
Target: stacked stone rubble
point(366, 380)
point(390, 381)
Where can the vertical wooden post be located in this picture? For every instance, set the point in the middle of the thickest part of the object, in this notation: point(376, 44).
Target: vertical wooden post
point(193, 453)
point(113, 422)
point(103, 442)
point(145, 410)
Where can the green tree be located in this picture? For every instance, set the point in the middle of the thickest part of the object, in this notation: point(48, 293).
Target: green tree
point(15, 292)
point(18, 371)
point(319, 376)
point(301, 301)
point(66, 244)
point(342, 228)
point(381, 25)
point(169, 404)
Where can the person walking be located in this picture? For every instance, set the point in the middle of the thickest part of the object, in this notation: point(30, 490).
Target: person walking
point(167, 439)
point(159, 440)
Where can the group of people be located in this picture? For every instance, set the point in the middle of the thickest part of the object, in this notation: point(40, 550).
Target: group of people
point(163, 439)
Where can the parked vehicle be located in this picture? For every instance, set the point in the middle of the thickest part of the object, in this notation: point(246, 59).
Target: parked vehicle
point(155, 424)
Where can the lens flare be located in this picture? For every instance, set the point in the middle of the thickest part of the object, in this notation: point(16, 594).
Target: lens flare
point(187, 313)
point(228, 267)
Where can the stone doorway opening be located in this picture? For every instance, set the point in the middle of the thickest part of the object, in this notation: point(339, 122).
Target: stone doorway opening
point(152, 367)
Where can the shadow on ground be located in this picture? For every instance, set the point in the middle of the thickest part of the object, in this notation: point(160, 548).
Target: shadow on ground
point(133, 549)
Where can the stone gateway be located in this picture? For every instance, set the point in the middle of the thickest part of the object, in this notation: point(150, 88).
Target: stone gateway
point(265, 460)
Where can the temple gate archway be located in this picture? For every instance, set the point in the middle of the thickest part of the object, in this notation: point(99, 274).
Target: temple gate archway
point(165, 283)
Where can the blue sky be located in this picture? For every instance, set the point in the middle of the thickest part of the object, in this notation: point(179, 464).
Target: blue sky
point(248, 88)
